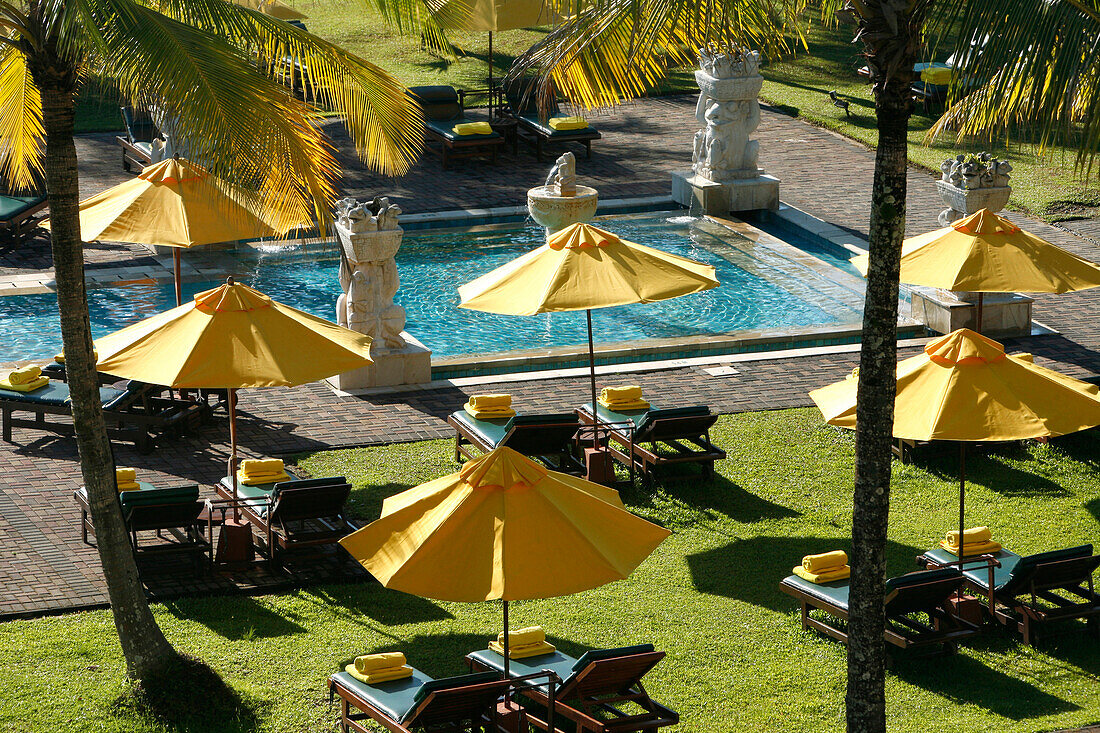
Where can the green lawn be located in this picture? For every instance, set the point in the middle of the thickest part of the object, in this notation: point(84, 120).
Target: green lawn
point(737, 659)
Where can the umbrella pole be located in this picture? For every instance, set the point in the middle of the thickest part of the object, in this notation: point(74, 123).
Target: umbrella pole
point(962, 497)
point(491, 79)
point(592, 377)
point(506, 640)
point(233, 445)
point(176, 269)
point(978, 323)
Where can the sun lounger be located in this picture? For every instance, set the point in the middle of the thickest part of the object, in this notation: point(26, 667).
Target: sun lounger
point(444, 107)
point(1031, 591)
point(644, 440)
point(908, 598)
point(131, 413)
point(291, 514)
point(137, 143)
point(547, 437)
point(174, 510)
point(418, 702)
point(590, 692)
point(19, 217)
point(523, 106)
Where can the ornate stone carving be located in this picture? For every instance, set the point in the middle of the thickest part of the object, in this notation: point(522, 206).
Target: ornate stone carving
point(729, 112)
point(369, 238)
point(564, 175)
point(973, 182)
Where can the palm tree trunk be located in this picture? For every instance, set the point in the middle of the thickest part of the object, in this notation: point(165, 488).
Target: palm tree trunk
point(866, 699)
point(143, 644)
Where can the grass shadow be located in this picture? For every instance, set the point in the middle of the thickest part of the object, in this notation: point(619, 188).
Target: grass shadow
point(967, 681)
point(1094, 508)
point(365, 502)
point(750, 570)
point(713, 494)
point(985, 466)
point(247, 620)
point(358, 601)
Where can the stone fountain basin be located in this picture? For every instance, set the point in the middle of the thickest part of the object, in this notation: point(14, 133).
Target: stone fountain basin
point(556, 212)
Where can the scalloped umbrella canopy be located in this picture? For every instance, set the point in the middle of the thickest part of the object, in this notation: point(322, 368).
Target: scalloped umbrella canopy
point(273, 8)
point(988, 253)
point(965, 387)
point(231, 337)
point(503, 527)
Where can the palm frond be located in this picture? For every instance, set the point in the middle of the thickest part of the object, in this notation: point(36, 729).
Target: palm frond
point(615, 50)
point(426, 18)
point(21, 133)
point(1028, 67)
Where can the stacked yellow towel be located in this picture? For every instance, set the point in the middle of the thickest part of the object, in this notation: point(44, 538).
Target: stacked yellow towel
point(126, 479)
point(473, 128)
point(18, 381)
point(619, 399)
point(825, 567)
point(261, 471)
point(523, 643)
point(575, 122)
point(60, 358)
point(375, 668)
point(976, 541)
point(489, 406)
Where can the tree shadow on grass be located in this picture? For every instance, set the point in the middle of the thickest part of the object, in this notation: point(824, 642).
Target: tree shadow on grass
point(750, 570)
point(715, 493)
point(985, 466)
point(365, 502)
point(237, 618)
point(187, 696)
point(965, 680)
point(357, 602)
point(1094, 508)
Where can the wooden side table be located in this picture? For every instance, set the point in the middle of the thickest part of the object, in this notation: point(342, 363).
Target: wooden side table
point(508, 128)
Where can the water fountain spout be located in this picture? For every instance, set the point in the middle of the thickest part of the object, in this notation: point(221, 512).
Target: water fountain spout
point(561, 202)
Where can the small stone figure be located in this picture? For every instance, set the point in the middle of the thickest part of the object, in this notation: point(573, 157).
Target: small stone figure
point(564, 175)
point(973, 182)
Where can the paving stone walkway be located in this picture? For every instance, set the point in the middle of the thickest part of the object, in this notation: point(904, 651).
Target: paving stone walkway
point(44, 567)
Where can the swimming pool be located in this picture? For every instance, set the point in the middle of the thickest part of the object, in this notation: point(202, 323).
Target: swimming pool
point(762, 288)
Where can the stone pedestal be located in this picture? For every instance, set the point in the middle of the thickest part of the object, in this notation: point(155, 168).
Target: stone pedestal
point(971, 183)
point(724, 175)
point(962, 202)
point(1003, 314)
point(555, 212)
point(370, 237)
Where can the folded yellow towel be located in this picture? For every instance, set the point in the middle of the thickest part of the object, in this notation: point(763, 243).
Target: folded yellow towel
point(28, 387)
point(825, 577)
point(974, 534)
point(937, 75)
point(125, 475)
point(825, 561)
point(473, 128)
point(263, 478)
point(256, 466)
point(25, 375)
point(522, 652)
point(377, 662)
point(625, 406)
point(568, 123)
point(524, 636)
point(374, 678)
point(491, 414)
point(977, 548)
point(60, 358)
point(625, 393)
point(490, 401)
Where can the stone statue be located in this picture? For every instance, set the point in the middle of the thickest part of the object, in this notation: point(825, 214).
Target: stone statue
point(564, 175)
point(973, 182)
point(729, 111)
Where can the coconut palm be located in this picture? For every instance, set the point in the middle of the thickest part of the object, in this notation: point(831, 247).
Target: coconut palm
point(196, 59)
point(1038, 66)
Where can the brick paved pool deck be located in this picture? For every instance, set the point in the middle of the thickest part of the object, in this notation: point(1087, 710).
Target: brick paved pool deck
point(45, 568)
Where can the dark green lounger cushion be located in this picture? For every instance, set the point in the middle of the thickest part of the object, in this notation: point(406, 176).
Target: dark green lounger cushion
point(395, 698)
point(533, 120)
point(834, 593)
point(258, 498)
point(545, 418)
point(440, 102)
point(144, 486)
point(170, 495)
point(450, 683)
point(13, 206)
point(556, 662)
point(595, 655)
point(902, 582)
point(491, 431)
point(446, 129)
point(979, 574)
point(607, 416)
point(56, 393)
point(672, 413)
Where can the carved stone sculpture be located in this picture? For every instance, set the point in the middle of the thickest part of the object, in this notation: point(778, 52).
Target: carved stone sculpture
point(973, 182)
point(370, 237)
point(564, 175)
point(728, 108)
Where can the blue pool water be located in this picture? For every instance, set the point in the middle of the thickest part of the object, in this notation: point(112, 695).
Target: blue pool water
point(754, 294)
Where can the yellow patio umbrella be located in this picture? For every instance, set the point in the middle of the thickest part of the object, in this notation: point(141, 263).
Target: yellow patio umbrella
point(964, 387)
point(504, 527)
point(494, 15)
point(582, 267)
point(178, 204)
point(986, 253)
point(232, 337)
point(273, 8)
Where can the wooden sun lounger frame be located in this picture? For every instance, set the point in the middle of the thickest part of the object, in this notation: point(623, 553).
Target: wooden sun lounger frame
point(901, 631)
point(319, 505)
point(13, 230)
point(451, 148)
point(567, 461)
point(1066, 581)
point(180, 519)
point(603, 686)
point(691, 443)
point(441, 710)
